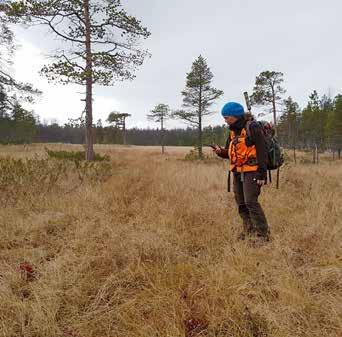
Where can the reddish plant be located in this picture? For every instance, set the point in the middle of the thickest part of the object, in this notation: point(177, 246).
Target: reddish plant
point(28, 271)
point(195, 327)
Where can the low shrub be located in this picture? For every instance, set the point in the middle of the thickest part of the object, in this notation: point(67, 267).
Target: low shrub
point(74, 155)
point(32, 179)
point(193, 155)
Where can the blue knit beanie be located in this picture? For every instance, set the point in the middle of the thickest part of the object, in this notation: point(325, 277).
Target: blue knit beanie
point(232, 109)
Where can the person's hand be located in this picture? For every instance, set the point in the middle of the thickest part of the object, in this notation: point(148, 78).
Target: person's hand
point(217, 149)
point(261, 182)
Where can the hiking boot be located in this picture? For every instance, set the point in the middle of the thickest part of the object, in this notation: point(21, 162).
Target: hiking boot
point(244, 235)
point(259, 239)
point(264, 236)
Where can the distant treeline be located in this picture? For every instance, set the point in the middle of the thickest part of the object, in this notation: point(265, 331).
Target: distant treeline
point(318, 124)
point(55, 133)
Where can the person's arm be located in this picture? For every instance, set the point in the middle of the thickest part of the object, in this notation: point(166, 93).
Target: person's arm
point(258, 138)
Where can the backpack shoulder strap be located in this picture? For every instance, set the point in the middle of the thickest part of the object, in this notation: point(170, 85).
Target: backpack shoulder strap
point(248, 128)
point(249, 125)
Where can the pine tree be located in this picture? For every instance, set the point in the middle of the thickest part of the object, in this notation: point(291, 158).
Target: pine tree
point(160, 114)
point(334, 126)
point(326, 107)
point(198, 97)
point(11, 90)
point(118, 120)
point(288, 122)
point(24, 124)
point(310, 118)
point(268, 91)
point(288, 125)
point(99, 43)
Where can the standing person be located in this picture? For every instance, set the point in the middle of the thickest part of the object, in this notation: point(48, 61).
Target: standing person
point(246, 150)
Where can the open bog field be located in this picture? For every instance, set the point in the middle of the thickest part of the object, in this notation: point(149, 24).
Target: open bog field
point(151, 250)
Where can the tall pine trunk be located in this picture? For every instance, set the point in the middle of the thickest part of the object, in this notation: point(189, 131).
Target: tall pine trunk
point(200, 141)
point(162, 134)
point(89, 86)
point(274, 115)
point(200, 138)
point(275, 128)
point(124, 131)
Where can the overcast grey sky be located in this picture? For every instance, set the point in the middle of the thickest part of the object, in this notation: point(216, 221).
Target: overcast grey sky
point(238, 38)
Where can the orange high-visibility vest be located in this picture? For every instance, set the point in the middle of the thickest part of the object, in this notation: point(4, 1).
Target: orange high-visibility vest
point(242, 157)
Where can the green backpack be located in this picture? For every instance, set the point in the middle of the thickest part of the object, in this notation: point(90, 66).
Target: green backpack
point(275, 153)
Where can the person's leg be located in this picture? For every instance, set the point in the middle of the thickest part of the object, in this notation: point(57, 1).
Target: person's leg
point(240, 201)
point(251, 191)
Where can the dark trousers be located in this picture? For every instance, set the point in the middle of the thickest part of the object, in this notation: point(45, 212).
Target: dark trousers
point(246, 192)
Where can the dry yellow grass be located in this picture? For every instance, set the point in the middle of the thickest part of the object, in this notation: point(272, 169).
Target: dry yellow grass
point(153, 252)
